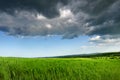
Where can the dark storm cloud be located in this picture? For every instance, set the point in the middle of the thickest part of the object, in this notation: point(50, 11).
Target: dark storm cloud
point(68, 18)
point(46, 7)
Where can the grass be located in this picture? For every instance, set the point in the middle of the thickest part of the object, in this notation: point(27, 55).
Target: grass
point(59, 69)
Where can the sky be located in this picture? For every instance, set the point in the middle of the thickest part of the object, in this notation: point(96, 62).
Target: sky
point(42, 28)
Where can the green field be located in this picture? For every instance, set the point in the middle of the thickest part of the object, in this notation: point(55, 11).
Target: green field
point(59, 69)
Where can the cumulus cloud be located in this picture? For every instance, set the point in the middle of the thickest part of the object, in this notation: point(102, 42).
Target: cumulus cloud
point(96, 38)
point(106, 40)
point(68, 18)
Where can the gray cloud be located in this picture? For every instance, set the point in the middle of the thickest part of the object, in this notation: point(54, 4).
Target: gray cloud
point(45, 7)
point(68, 18)
point(106, 40)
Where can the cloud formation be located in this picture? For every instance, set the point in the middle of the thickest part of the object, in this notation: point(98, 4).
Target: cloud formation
point(68, 18)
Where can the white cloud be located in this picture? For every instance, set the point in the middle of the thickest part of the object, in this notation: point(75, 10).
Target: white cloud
point(40, 17)
point(95, 38)
point(65, 13)
point(49, 26)
point(106, 40)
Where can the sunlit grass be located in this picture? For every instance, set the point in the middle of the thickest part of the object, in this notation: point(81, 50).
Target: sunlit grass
point(59, 69)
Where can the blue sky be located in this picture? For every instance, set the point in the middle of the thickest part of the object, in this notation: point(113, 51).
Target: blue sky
point(39, 46)
point(12, 46)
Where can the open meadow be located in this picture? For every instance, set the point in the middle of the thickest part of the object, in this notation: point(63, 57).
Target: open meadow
point(59, 69)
